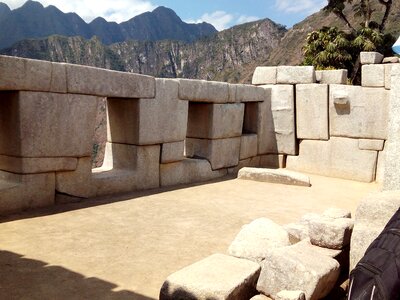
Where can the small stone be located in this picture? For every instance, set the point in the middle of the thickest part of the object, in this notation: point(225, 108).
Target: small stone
point(260, 297)
point(256, 238)
point(290, 295)
point(297, 231)
point(390, 60)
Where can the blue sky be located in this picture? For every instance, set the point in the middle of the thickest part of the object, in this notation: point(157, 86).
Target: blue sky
point(221, 13)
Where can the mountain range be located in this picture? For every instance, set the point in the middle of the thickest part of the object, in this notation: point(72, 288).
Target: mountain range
point(32, 20)
point(230, 55)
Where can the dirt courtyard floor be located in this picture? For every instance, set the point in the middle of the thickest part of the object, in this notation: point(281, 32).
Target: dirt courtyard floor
point(124, 250)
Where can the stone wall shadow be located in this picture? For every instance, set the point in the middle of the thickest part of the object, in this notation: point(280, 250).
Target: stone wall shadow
point(23, 278)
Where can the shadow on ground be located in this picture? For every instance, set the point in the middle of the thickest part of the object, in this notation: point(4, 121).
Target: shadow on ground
point(86, 203)
point(23, 278)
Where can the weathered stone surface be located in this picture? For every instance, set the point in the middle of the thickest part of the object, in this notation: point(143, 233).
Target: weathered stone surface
point(391, 173)
point(274, 176)
point(331, 76)
point(188, 171)
point(232, 93)
point(27, 165)
point(306, 246)
point(372, 215)
point(388, 76)
point(76, 183)
point(336, 213)
point(252, 162)
point(221, 153)
point(172, 152)
point(279, 134)
point(248, 146)
point(108, 83)
point(312, 111)
point(256, 238)
point(203, 91)
point(127, 168)
point(295, 74)
point(250, 93)
point(297, 231)
point(338, 157)
point(273, 161)
point(371, 58)
point(58, 83)
point(331, 233)
point(290, 295)
point(20, 192)
point(373, 75)
point(264, 75)
point(24, 74)
point(365, 115)
point(216, 277)
point(290, 268)
point(35, 124)
point(375, 145)
point(215, 121)
point(149, 121)
point(390, 60)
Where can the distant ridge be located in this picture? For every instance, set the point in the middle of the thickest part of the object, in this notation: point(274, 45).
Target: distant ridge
point(32, 20)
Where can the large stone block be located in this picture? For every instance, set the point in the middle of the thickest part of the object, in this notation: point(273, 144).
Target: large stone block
point(264, 75)
point(149, 121)
point(250, 93)
point(290, 268)
point(331, 233)
point(274, 176)
point(78, 182)
point(371, 217)
point(127, 168)
point(108, 83)
point(21, 192)
point(388, 76)
point(338, 157)
point(380, 167)
point(279, 133)
point(188, 171)
point(35, 124)
point(370, 57)
point(331, 76)
point(221, 153)
point(312, 111)
point(358, 112)
point(204, 91)
point(256, 238)
point(172, 152)
point(295, 74)
point(215, 121)
point(28, 165)
point(24, 74)
point(373, 75)
point(248, 146)
point(219, 277)
point(392, 147)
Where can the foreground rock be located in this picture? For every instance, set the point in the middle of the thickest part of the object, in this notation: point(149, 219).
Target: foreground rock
point(291, 268)
point(255, 239)
point(290, 295)
point(274, 176)
point(215, 277)
point(331, 233)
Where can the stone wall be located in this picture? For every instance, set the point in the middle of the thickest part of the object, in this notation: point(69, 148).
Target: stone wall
point(164, 132)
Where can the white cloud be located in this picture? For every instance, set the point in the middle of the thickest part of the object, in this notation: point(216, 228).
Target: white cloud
point(222, 20)
point(116, 10)
point(299, 6)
